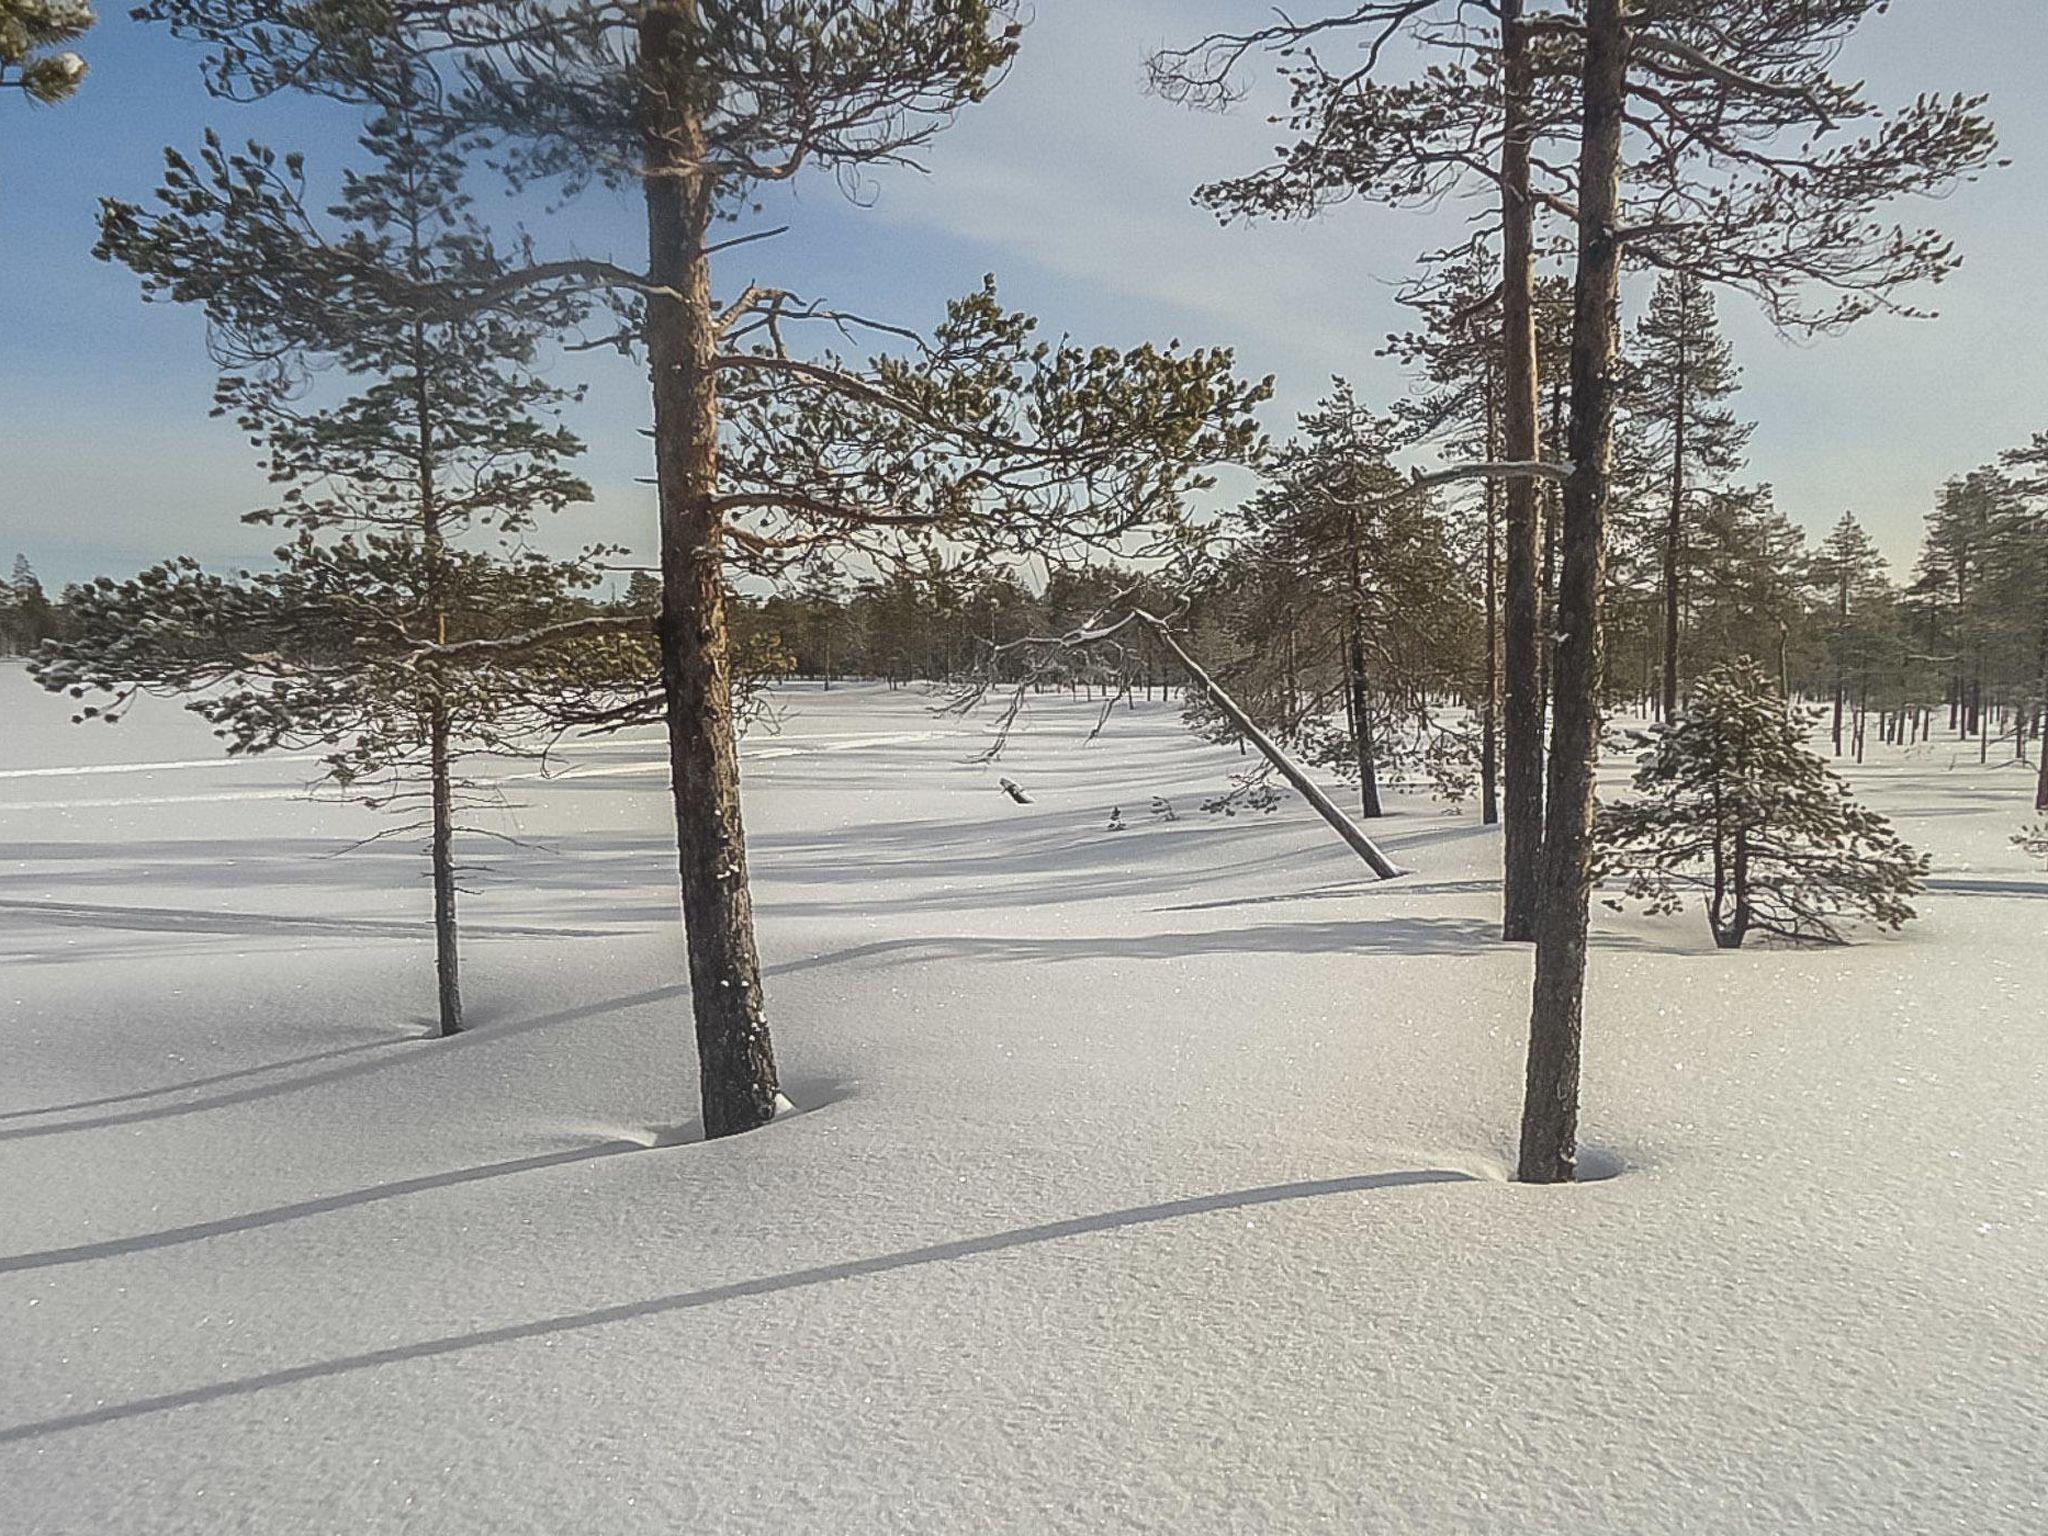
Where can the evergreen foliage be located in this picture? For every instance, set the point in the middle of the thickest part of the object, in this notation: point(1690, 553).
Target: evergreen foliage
point(27, 617)
point(378, 636)
point(1730, 803)
point(31, 60)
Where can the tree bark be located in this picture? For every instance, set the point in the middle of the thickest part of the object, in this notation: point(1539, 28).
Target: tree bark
point(440, 783)
point(1550, 1110)
point(1489, 719)
point(1522, 713)
point(2041, 735)
point(1674, 533)
point(1361, 714)
point(447, 961)
point(736, 1059)
point(1361, 692)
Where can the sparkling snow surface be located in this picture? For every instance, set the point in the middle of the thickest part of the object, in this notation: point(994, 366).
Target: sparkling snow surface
point(1139, 1181)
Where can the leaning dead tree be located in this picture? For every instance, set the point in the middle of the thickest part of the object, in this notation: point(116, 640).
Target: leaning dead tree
point(1030, 658)
point(1405, 102)
point(1104, 633)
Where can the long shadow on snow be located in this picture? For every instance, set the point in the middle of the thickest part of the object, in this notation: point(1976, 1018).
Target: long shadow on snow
point(812, 1093)
point(173, 1237)
point(210, 920)
point(1947, 887)
point(767, 1285)
point(201, 1082)
point(1380, 936)
point(468, 1040)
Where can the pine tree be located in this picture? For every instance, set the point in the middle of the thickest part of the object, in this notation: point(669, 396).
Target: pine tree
point(27, 618)
point(1958, 597)
point(29, 32)
point(2026, 576)
point(1797, 226)
point(1849, 575)
point(1473, 107)
point(1732, 804)
point(1344, 604)
point(1747, 571)
point(768, 454)
point(378, 635)
point(1679, 373)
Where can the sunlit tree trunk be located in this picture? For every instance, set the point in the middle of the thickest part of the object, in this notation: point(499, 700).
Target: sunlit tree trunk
point(1550, 1112)
point(735, 1056)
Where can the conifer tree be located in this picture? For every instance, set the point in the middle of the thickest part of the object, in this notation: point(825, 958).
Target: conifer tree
point(1731, 804)
point(1716, 139)
point(1347, 605)
point(27, 617)
point(1748, 575)
point(1953, 581)
point(378, 635)
point(1474, 107)
point(1680, 370)
point(768, 451)
point(2027, 575)
point(1849, 574)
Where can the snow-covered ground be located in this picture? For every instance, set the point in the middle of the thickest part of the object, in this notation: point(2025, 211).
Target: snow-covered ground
point(1145, 1181)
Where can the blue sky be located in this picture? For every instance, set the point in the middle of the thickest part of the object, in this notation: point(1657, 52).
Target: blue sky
point(1072, 185)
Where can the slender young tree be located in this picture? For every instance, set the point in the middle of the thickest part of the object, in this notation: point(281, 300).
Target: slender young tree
point(1680, 371)
point(448, 433)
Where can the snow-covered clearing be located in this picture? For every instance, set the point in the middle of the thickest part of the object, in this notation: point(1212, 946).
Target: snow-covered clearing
point(1145, 1181)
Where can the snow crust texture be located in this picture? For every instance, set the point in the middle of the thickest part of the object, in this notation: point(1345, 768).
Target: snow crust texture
point(1140, 1181)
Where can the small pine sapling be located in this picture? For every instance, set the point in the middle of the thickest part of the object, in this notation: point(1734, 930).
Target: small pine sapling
point(1732, 803)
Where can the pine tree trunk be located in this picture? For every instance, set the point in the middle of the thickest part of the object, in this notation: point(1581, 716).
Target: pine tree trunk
point(440, 786)
point(1354, 666)
point(1730, 934)
point(1841, 646)
point(736, 1059)
point(1489, 716)
point(1361, 715)
point(1522, 713)
point(2041, 734)
point(447, 962)
point(1674, 537)
point(1550, 1110)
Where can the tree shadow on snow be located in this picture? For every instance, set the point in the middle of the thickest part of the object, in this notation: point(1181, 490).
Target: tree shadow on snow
point(173, 1237)
point(812, 1095)
point(1384, 936)
point(469, 1039)
point(685, 1301)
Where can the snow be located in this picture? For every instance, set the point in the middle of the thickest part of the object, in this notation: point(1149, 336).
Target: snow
point(1136, 1181)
